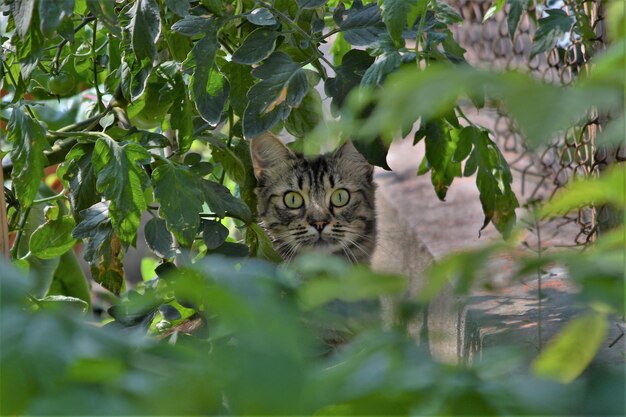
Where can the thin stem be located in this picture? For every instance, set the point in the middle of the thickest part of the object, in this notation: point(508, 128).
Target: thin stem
point(539, 292)
point(329, 34)
point(4, 233)
point(231, 123)
point(301, 31)
point(55, 61)
point(51, 198)
point(20, 233)
point(420, 31)
point(94, 58)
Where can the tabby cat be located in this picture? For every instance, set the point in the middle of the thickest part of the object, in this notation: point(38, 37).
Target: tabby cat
point(323, 203)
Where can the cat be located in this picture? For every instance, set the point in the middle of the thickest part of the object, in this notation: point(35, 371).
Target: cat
point(324, 203)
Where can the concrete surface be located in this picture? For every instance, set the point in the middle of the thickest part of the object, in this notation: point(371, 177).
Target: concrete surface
point(415, 229)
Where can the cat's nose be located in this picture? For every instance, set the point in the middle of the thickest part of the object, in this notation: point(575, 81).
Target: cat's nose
point(319, 226)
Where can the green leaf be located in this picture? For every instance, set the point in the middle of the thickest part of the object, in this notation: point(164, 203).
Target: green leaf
point(375, 151)
point(568, 354)
point(261, 17)
point(363, 25)
point(494, 182)
point(63, 301)
point(193, 25)
point(182, 118)
point(232, 249)
point(283, 85)
point(339, 49)
point(145, 28)
point(517, 7)
point(158, 238)
point(550, 29)
point(257, 46)
point(177, 191)
point(260, 245)
point(447, 14)
point(210, 89)
point(495, 8)
point(121, 179)
point(180, 7)
point(69, 279)
point(348, 75)
point(384, 65)
point(214, 234)
point(441, 142)
point(78, 172)
point(232, 164)
point(222, 203)
point(395, 16)
point(53, 238)
point(594, 191)
point(357, 284)
point(52, 13)
point(29, 143)
point(22, 11)
point(241, 80)
point(310, 4)
point(103, 249)
point(105, 12)
point(305, 117)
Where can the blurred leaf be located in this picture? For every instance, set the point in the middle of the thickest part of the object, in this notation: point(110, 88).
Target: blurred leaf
point(348, 75)
point(594, 191)
point(121, 180)
point(357, 284)
point(53, 238)
point(180, 199)
point(52, 12)
point(569, 353)
point(29, 143)
point(148, 267)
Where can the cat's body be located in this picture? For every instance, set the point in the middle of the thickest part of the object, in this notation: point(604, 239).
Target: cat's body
point(324, 203)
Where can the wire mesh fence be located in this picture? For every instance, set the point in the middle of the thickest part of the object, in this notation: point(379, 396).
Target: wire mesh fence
point(572, 153)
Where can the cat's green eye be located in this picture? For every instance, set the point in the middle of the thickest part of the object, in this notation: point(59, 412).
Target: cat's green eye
point(293, 200)
point(340, 197)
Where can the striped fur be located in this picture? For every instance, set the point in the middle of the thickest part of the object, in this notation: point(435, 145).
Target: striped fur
point(318, 225)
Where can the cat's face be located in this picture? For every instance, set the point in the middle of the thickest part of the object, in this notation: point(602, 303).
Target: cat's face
point(324, 203)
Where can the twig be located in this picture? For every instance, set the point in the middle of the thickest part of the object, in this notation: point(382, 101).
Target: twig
point(55, 61)
point(94, 58)
point(4, 224)
point(20, 232)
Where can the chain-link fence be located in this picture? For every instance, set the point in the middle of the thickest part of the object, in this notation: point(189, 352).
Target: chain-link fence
point(571, 154)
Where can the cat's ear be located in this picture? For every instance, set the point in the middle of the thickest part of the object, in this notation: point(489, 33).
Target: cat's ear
point(266, 151)
point(351, 156)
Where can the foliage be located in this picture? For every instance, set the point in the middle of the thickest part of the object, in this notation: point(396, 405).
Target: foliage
point(142, 107)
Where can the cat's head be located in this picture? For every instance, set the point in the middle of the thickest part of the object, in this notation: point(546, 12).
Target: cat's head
point(323, 203)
